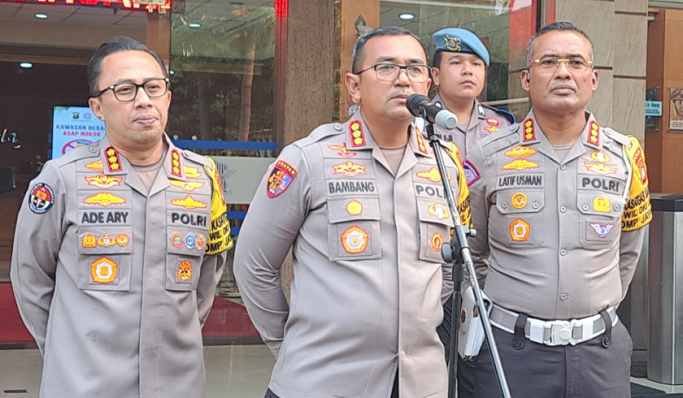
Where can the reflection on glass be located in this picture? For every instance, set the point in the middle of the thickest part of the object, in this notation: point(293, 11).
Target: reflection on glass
point(222, 57)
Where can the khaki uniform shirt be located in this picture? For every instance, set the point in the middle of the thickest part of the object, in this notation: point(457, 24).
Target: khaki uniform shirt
point(115, 282)
point(563, 236)
point(368, 287)
point(485, 120)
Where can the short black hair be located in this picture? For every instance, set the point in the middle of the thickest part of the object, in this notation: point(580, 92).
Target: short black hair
point(111, 46)
point(358, 48)
point(436, 61)
point(555, 27)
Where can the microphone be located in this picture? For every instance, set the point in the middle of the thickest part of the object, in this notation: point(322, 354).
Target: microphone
point(419, 106)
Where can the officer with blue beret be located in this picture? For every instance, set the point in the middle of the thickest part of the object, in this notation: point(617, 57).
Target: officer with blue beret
point(459, 71)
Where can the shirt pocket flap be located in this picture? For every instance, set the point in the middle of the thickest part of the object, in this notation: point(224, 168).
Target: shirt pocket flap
point(512, 201)
point(599, 203)
point(434, 212)
point(348, 209)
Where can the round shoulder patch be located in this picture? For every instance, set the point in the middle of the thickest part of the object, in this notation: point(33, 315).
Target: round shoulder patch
point(42, 197)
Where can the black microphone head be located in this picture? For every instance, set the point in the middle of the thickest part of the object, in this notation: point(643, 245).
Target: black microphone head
point(413, 103)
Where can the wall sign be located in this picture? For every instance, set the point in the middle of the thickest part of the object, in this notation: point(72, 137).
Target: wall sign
point(144, 5)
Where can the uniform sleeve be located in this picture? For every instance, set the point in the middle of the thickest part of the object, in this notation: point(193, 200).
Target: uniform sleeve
point(479, 205)
point(637, 214)
point(37, 239)
point(211, 272)
point(630, 246)
point(272, 223)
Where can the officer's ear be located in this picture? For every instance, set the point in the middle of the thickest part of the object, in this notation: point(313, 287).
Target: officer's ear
point(435, 75)
point(526, 79)
point(595, 79)
point(96, 107)
point(353, 86)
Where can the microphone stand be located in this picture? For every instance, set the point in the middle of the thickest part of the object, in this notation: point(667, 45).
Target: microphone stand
point(457, 252)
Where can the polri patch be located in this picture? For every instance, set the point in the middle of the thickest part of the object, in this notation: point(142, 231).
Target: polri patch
point(471, 173)
point(280, 178)
point(41, 199)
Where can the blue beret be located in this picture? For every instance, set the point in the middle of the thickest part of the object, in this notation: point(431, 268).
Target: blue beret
point(460, 41)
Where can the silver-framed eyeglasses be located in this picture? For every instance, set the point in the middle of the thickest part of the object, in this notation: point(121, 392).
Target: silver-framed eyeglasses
point(389, 72)
point(552, 62)
point(126, 92)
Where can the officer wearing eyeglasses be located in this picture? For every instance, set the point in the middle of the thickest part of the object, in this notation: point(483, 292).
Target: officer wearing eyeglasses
point(362, 206)
point(119, 245)
point(559, 203)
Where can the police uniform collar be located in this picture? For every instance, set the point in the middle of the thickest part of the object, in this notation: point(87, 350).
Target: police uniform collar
point(592, 134)
point(113, 163)
point(480, 109)
point(418, 141)
point(174, 164)
point(357, 134)
point(529, 132)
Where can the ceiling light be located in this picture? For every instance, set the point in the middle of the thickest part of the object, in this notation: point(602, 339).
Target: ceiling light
point(194, 25)
point(172, 72)
point(26, 65)
point(40, 15)
point(407, 16)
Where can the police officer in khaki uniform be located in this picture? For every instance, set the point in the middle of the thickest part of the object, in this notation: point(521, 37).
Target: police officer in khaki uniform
point(119, 246)
point(362, 206)
point(459, 70)
point(559, 203)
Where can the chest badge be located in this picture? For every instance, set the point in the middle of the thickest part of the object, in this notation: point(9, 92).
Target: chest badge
point(189, 203)
point(122, 239)
point(354, 240)
point(187, 186)
point(177, 239)
point(191, 172)
point(104, 199)
point(185, 271)
point(601, 203)
point(104, 181)
point(354, 207)
point(520, 164)
point(519, 152)
point(600, 156)
point(520, 230)
point(95, 166)
point(439, 211)
point(342, 151)
point(349, 169)
point(437, 242)
point(103, 270)
point(601, 229)
point(600, 168)
point(493, 123)
point(519, 200)
point(432, 175)
point(106, 240)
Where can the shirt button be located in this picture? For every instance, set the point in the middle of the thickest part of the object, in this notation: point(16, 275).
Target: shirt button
point(563, 252)
point(616, 207)
point(535, 205)
point(504, 205)
point(564, 296)
point(563, 209)
point(585, 207)
point(338, 127)
point(563, 167)
point(93, 149)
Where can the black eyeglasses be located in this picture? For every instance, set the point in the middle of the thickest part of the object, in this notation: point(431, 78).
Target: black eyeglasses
point(389, 72)
point(126, 92)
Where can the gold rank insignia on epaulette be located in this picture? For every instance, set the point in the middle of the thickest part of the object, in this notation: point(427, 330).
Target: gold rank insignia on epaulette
point(219, 229)
point(638, 211)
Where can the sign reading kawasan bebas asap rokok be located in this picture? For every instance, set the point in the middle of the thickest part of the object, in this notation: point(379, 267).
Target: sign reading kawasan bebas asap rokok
point(74, 126)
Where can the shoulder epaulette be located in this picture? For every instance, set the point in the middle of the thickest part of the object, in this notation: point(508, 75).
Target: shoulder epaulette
point(319, 133)
point(201, 159)
point(617, 136)
point(83, 152)
point(508, 115)
point(504, 138)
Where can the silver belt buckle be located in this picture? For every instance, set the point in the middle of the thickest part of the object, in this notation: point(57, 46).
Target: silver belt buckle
point(561, 332)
